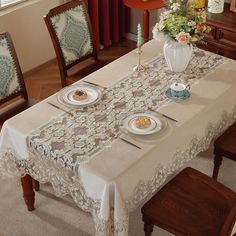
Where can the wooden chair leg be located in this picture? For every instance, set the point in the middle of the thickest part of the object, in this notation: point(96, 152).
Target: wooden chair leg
point(148, 226)
point(28, 192)
point(36, 185)
point(217, 163)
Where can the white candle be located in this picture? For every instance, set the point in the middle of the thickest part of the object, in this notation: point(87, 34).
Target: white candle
point(139, 36)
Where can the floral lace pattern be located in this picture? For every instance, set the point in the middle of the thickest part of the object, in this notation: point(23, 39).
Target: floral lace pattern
point(63, 180)
point(198, 144)
point(66, 182)
point(70, 140)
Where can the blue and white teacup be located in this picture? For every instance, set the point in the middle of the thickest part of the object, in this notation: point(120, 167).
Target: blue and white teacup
point(178, 89)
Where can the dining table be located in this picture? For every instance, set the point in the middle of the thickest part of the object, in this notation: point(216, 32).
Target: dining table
point(89, 152)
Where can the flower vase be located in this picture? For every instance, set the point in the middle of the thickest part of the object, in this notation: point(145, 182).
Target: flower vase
point(177, 55)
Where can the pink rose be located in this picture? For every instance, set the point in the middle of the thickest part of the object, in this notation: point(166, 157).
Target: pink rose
point(183, 38)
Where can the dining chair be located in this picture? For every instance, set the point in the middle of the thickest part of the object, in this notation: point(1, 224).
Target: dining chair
point(70, 30)
point(224, 146)
point(193, 204)
point(13, 95)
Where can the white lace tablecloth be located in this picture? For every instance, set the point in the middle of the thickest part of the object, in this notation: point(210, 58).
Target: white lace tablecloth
point(71, 151)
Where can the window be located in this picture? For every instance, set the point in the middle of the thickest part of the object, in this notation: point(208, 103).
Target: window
point(7, 3)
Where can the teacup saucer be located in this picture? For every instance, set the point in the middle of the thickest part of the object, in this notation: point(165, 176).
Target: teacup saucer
point(183, 98)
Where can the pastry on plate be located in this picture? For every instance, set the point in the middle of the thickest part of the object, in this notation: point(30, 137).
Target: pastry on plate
point(79, 95)
point(142, 122)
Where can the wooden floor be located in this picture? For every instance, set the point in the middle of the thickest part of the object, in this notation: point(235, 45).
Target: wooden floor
point(46, 81)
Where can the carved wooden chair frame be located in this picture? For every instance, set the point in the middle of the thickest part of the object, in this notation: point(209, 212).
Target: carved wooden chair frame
point(60, 58)
point(22, 91)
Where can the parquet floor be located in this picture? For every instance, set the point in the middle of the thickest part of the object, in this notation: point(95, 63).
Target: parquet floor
point(46, 81)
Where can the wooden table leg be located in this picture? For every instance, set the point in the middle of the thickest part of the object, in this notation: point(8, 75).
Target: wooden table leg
point(146, 25)
point(28, 192)
point(217, 162)
point(35, 185)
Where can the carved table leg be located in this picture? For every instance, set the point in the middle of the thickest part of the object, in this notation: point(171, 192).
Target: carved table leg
point(217, 163)
point(146, 25)
point(28, 192)
point(35, 185)
point(148, 226)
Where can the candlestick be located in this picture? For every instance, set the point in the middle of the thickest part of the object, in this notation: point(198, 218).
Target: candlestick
point(139, 67)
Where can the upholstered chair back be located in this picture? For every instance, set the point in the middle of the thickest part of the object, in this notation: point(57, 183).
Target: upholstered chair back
point(11, 79)
point(70, 30)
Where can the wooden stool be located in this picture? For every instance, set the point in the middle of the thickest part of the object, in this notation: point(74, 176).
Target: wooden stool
point(193, 204)
point(145, 6)
point(225, 146)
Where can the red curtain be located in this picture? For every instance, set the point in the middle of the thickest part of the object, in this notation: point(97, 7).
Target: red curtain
point(110, 20)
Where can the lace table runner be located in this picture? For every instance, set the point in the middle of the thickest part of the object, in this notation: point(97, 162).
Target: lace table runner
point(71, 140)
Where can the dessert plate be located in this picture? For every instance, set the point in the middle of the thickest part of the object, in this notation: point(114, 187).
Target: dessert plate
point(129, 124)
point(94, 94)
point(183, 98)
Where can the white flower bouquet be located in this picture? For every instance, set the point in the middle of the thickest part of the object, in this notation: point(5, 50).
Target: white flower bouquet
point(181, 23)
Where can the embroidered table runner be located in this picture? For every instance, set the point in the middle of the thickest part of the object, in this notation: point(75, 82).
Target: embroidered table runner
point(110, 183)
point(70, 140)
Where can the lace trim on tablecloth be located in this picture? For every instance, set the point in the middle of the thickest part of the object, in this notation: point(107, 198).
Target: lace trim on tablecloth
point(111, 227)
point(63, 180)
point(66, 182)
point(145, 189)
point(70, 140)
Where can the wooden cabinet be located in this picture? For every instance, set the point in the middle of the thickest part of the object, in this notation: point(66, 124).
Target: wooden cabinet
point(222, 38)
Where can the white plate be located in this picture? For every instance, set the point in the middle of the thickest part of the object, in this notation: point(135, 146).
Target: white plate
point(128, 124)
point(94, 93)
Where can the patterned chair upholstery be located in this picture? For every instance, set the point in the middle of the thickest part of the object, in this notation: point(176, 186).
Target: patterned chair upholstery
point(73, 34)
point(13, 94)
point(11, 80)
point(70, 31)
point(12, 85)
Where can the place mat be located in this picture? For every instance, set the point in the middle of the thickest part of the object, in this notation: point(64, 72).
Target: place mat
point(206, 91)
point(72, 140)
point(115, 71)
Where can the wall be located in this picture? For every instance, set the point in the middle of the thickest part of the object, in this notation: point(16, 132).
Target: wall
point(29, 33)
point(137, 17)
